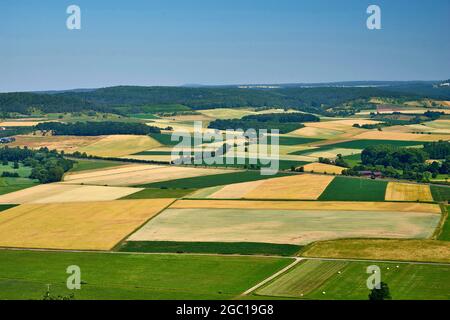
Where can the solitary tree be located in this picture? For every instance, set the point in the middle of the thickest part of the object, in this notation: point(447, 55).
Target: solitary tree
point(380, 294)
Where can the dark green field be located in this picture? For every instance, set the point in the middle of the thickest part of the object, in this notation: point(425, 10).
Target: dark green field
point(354, 189)
point(83, 165)
point(440, 193)
point(211, 180)
point(159, 193)
point(359, 144)
point(4, 207)
point(26, 274)
point(244, 248)
point(236, 163)
point(445, 233)
point(143, 116)
point(166, 139)
point(293, 141)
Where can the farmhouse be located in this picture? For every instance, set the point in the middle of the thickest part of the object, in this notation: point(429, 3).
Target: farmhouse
point(368, 173)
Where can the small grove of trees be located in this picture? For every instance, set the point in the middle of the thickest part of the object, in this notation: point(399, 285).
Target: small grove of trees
point(47, 166)
point(339, 161)
point(382, 293)
point(92, 128)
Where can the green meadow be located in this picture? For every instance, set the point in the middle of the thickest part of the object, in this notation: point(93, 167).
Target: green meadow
point(82, 165)
point(339, 280)
point(26, 274)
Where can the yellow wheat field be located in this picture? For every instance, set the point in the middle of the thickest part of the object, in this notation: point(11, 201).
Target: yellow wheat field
point(81, 225)
point(120, 145)
point(57, 192)
point(297, 187)
point(323, 168)
point(307, 205)
point(235, 191)
point(61, 143)
point(312, 132)
point(138, 174)
point(397, 191)
point(408, 250)
point(304, 186)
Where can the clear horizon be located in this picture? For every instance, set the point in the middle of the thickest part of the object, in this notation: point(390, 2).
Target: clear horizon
point(173, 43)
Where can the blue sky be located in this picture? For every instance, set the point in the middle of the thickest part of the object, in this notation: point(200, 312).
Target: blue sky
point(174, 42)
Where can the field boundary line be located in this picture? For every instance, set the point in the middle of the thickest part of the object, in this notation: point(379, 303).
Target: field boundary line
point(284, 270)
point(440, 227)
point(117, 245)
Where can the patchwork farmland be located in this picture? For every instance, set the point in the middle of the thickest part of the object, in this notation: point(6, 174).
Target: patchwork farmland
point(225, 231)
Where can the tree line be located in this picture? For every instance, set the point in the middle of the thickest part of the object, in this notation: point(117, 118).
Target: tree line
point(97, 128)
point(284, 122)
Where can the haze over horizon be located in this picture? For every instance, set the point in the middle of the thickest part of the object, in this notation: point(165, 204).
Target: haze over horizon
point(174, 43)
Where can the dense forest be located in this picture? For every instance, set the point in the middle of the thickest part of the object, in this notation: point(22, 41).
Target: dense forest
point(284, 122)
point(47, 166)
point(27, 103)
point(406, 163)
point(315, 99)
point(90, 128)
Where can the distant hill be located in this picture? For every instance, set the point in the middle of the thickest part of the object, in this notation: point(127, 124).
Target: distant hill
point(314, 98)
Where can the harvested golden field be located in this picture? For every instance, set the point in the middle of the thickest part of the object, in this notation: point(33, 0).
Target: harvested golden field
point(323, 168)
point(339, 125)
point(57, 192)
point(138, 174)
point(18, 123)
point(80, 225)
point(397, 191)
point(108, 171)
point(119, 145)
point(283, 226)
point(318, 133)
point(297, 187)
point(389, 135)
point(307, 205)
point(408, 250)
point(302, 187)
point(61, 143)
point(235, 191)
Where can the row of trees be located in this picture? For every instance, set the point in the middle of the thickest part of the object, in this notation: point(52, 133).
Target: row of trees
point(92, 128)
point(284, 122)
point(47, 165)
